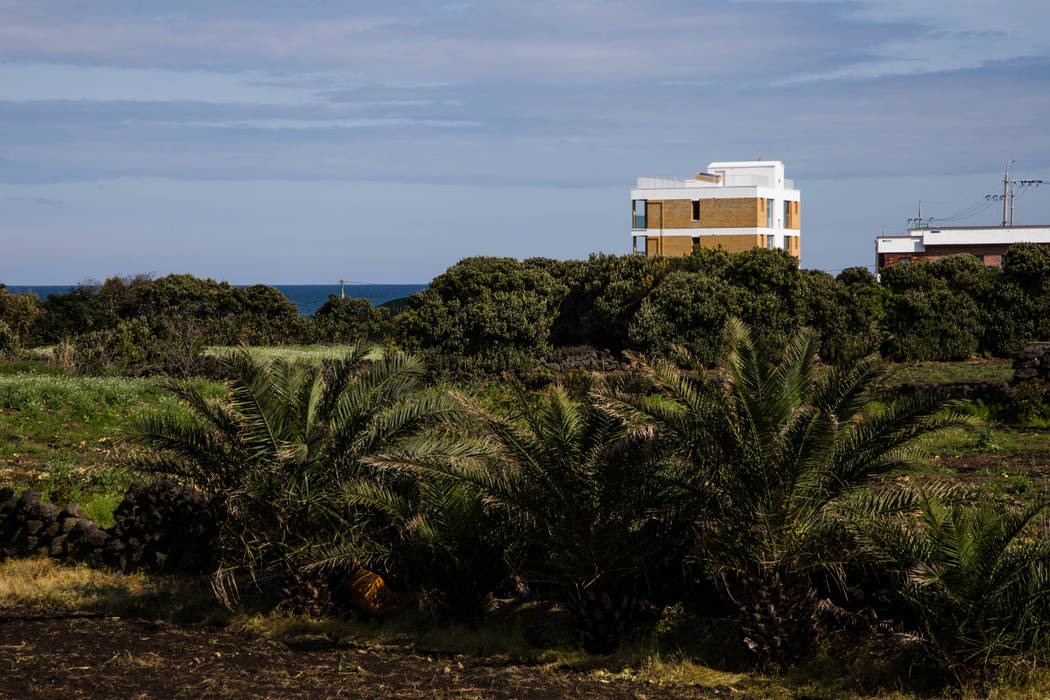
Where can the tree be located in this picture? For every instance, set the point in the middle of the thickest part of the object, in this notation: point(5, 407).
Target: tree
point(19, 313)
point(765, 454)
point(604, 293)
point(285, 445)
point(349, 320)
point(584, 497)
point(482, 314)
point(687, 309)
point(976, 576)
point(845, 310)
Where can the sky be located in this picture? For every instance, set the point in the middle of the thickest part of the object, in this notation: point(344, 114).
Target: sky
point(311, 141)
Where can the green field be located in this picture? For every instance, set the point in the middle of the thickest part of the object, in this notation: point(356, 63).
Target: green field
point(307, 353)
point(60, 433)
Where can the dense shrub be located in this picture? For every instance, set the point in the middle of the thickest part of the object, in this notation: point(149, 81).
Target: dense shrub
point(166, 344)
point(1019, 302)
point(73, 313)
point(482, 314)
point(19, 313)
point(603, 295)
point(975, 576)
point(8, 340)
point(349, 320)
point(844, 310)
point(936, 311)
point(689, 309)
point(931, 325)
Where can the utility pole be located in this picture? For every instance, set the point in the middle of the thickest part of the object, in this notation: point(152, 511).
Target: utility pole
point(918, 221)
point(1007, 191)
point(1009, 194)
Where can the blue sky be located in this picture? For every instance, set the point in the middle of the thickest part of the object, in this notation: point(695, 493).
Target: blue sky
point(303, 142)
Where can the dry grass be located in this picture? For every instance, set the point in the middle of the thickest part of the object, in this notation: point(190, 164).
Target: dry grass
point(45, 585)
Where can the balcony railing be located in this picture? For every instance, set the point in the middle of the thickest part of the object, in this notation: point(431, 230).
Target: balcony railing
point(639, 222)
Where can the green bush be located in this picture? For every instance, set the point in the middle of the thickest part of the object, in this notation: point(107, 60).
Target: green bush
point(976, 577)
point(603, 295)
point(349, 320)
point(8, 341)
point(19, 312)
point(482, 314)
point(688, 309)
point(845, 310)
point(169, 345)
point(934, 324)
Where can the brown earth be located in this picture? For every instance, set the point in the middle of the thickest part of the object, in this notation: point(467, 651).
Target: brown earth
point(90, 656)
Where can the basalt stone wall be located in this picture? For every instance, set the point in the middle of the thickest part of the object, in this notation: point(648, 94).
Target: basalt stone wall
point(165, 526)
point(162, 526)
point(1032, 362)
point(583, 358)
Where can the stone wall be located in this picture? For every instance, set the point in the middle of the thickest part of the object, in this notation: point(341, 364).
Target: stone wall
point(1032, 362)
point(163, 526)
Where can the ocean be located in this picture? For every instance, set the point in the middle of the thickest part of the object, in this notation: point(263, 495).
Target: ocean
point(307, 297)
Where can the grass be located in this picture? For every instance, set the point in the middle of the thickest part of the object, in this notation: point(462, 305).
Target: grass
point(975, 370)
point(60, 433)
point(44, 585)
point(310, 353)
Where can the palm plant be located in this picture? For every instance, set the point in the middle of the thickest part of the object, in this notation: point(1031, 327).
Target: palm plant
point(765, 452)
point(448, 545)
point(582, 495)
point(283, 445)
point(976, 576)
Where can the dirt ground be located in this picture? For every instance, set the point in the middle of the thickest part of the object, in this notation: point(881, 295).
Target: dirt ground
point(90, 656)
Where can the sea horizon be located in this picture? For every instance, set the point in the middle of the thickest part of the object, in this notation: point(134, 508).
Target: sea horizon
point(306, 297)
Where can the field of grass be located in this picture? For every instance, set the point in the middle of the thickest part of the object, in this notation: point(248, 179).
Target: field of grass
point(310, 353)
point(60, 433)
point(976, 370)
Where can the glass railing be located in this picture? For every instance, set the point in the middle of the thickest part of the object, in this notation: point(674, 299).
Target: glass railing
point(639, 222)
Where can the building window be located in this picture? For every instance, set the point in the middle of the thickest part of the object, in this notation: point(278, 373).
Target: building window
point(904, 260)
point(638, 209)
point(769, 242)
point(696, 210)
point(787, 213)
point(769, 213)
point(640, 244)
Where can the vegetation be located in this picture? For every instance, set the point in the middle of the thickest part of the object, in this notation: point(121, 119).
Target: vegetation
point(285, 445)
point(583, 499)
point(490, 315)
point(975, 576)
point(751, 514)
point(766, 455)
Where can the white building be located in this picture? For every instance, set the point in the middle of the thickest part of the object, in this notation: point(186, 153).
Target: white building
point(735, 206)
point(987, 243)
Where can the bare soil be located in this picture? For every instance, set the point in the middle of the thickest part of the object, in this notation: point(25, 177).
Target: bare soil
point(90, 656)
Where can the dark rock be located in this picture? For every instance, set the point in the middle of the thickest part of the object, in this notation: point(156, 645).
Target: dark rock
point(72, 510)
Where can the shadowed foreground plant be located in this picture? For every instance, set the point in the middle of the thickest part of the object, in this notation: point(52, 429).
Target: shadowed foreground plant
point(583, 497)
point(976, 576)
point(765, 453)
point(283, 446)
